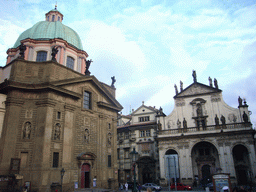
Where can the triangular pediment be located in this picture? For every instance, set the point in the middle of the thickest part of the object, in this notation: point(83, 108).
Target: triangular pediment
point(144, 109)
point(197, 89)
point(108, 99)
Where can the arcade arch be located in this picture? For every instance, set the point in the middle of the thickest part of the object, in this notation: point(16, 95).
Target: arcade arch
point(205, 161)
point(242, 164)
point(172, 169)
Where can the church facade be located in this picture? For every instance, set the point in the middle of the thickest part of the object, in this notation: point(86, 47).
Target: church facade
point(53, 116)
point(204, 136)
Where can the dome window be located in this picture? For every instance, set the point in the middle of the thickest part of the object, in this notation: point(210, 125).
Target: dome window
point(58, 18)
point(48, 18)
point(70, 62)
point(41, 56)
point(53, 17)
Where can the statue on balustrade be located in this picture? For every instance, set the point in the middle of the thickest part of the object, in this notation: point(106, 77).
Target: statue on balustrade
point(179, 124)
point(217, 121)
point(185, 126)
point(223, 120)
point(245, 117)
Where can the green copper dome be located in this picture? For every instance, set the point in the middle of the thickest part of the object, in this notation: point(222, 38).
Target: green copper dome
point(45, 30)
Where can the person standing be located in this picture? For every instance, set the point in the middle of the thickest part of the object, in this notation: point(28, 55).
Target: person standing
point(126, 186)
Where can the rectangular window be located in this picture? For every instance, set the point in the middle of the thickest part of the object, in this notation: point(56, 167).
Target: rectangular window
point(142, 133)
point(55, 159)
point(58, 115)
point(41, 56)
point(53, 17)
point(87, 100)
point(70, 62)
point(58, 18)
point(118, 153)
point(142, 119)
point(148, 133)
point(126, 135)
point(23, 159)
point(126, 153)
point(109, 160)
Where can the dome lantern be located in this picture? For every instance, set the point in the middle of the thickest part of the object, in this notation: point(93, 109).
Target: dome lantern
point(54, 15)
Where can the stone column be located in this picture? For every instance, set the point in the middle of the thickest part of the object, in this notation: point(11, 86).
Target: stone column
point(9, 133)
point(161, 161)
point(252, 158)
point(68, 134)
point(189, 165)
point(42, 150)
point(230, 168)
point(222, 158)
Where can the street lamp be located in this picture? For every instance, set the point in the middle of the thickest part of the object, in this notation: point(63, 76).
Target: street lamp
point(134, 155)
point(62, 172)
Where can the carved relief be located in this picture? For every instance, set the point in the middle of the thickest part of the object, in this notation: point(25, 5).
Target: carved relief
point(86, 121)
point(29, 113)
point(232, 118)
point(57, 131)
point(27, 130)
point(215, 98)
point(180, 102)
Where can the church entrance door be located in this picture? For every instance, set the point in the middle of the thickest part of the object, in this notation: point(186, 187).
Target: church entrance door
point(85, 176)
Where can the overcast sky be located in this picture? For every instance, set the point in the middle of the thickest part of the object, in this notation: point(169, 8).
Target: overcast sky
point(151, 46)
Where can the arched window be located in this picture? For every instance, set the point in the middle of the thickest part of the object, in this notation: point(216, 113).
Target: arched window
point(70, 62)
point(53, 17)
point(41, 56)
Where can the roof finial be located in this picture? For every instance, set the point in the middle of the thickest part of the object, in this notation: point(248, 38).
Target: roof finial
point(56, 6)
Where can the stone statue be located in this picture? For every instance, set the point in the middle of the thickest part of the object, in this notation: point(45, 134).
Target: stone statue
point(217, 121)
point(199, 110)
point(185, 126)
point(57, 132)
point(54, 53)
point(22, 49)
point(88, 63)
point(223, 120)
point(159, 125)
point(113, 81)
point(210, 81)
point(216, 83)
point(179, 123)
point(176, 89)
point(27, 130)
point(194, 75)
point(109, 138)
point(181, 86)
point(86, 136)
point(240, 101)
point(245, 117)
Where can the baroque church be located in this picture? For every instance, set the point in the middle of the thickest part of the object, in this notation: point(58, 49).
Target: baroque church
point(55, 116)
point(204, 136)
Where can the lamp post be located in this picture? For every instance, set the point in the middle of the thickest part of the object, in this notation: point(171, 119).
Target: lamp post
point(134, 156)
point(62, 172)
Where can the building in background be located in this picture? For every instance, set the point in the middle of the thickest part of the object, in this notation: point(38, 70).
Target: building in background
point(53, 116)
point(139, 130)
point(203, 136)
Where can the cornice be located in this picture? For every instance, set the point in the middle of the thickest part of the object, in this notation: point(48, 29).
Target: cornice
point(14, 101)
point(46, 102)
point(108, 106)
